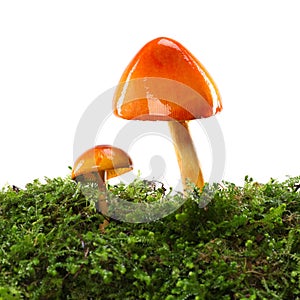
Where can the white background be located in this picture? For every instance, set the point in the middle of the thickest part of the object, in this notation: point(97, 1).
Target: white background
point(56, 57)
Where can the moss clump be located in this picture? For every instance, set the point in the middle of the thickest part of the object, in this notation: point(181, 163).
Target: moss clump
point(245, 244)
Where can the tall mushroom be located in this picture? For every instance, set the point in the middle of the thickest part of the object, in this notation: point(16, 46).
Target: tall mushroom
point(99, 164)
point(165, 82)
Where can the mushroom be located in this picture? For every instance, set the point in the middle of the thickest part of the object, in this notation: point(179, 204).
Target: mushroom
point(165, 82)
point(99, 164)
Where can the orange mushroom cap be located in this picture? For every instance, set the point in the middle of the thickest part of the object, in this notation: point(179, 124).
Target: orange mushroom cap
point(114, 161)
point(164, 81)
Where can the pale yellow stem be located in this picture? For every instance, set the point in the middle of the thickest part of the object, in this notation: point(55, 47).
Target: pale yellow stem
point(186, 154)
point(102, 204)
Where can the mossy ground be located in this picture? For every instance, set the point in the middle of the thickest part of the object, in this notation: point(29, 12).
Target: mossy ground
point(245, 244)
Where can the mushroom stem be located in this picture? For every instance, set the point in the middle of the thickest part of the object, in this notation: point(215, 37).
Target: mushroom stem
point(186, 154)
point(102, 204)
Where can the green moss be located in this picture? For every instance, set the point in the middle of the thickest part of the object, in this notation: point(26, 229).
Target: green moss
point(229, 243)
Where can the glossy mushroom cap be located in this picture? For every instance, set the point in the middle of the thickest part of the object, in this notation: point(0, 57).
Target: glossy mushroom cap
point(102, 158)
point(164, 81)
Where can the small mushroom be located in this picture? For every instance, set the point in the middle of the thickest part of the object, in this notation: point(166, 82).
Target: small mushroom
point(165, 82)
point(99, 164)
